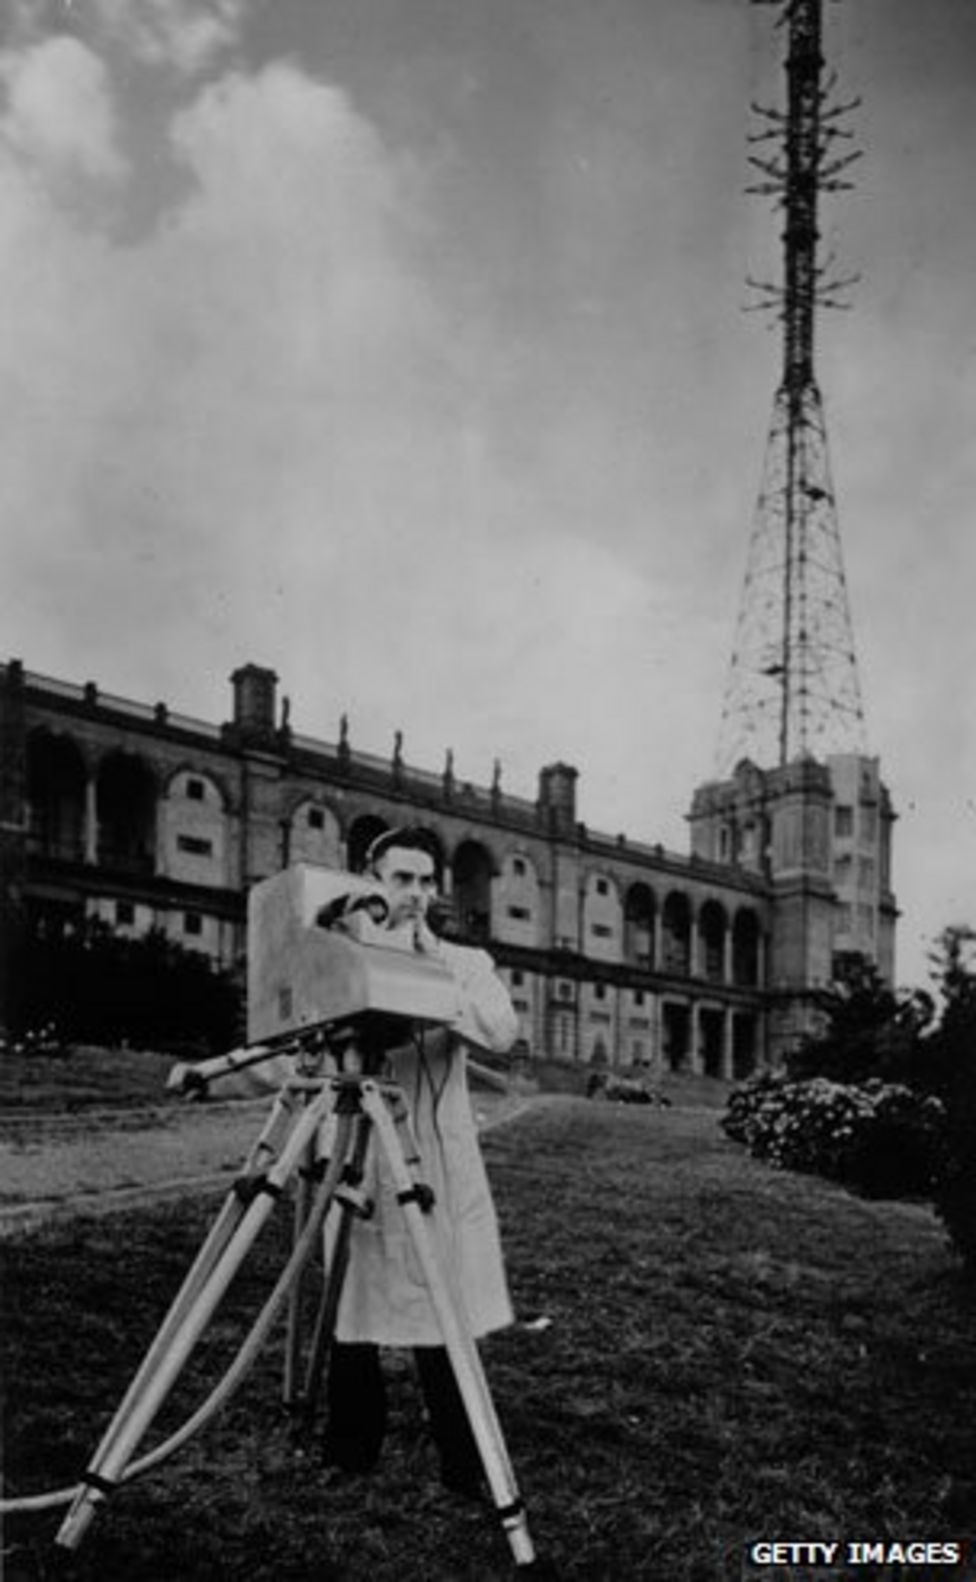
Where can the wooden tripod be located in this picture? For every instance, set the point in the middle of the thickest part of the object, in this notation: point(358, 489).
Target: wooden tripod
point(366, 1113)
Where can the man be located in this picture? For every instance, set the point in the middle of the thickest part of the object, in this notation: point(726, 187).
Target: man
point(385, 1301)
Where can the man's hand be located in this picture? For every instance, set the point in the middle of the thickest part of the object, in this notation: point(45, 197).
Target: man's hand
point(186, 1081)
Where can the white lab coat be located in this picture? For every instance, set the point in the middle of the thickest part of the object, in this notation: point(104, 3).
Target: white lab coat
point(385, 1298)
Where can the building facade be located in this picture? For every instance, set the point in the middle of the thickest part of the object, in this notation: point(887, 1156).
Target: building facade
point(820, 834)
point(615, 953)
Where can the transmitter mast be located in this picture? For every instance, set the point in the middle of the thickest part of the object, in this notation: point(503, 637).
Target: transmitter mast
point(792, 690)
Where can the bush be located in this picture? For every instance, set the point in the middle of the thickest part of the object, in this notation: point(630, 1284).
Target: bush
point(883, 1097)
point(955, 1204)
point(99, 987)
point(878, 1138)
point(947, 1067)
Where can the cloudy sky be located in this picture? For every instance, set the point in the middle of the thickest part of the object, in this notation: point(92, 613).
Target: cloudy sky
point(400, 345)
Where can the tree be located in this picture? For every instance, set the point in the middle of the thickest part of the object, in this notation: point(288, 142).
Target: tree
point(100, 987)
point(947, 1067)
point(869, 1030)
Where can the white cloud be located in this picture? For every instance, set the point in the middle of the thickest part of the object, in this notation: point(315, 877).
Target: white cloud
point(257, 433)
point(188, 35)
point(59, 114)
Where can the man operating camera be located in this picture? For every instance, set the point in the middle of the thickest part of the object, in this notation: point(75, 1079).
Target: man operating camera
point(385, 1300)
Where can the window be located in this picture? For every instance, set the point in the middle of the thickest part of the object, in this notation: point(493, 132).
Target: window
point(316, 818)
point(638, 996)
point(603, 930)
point(521, 912)
point(192, 923)
point(865, 917)
point(565, 991)
point(600, 991)
point(125, 912)
point(602, 888)
point(196, 790)
point(843, 822)
point(866, 873)
point(196, 845)
point(843, 868)
point(518, 867)
point(844, 917)
point(518, 978)
point(869, 823)
point(520, 1005)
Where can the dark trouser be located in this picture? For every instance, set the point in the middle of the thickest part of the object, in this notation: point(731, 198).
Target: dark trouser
point(356, 1402)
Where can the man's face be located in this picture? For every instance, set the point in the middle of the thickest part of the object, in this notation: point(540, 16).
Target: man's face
point(410, 884)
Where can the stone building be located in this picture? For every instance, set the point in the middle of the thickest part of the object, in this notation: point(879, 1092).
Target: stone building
point(615, 952)
point(821, 835)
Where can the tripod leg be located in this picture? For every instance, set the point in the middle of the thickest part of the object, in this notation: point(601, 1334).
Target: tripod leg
point(114, 1453)
point(456, 1333)
point(325, 1320)
point(293, 1340)
point(229, 1216)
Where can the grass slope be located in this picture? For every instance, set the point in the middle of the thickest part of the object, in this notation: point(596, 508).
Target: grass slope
point(81, 1077)
point(733, 1354)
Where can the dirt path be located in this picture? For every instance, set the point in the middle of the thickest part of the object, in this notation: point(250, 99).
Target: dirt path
point(96, 1161)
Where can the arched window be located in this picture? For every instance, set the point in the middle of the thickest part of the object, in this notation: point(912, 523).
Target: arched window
point(745, 949)
point(126, 802)
point(55, 796)
point(472, 871)
point(676, 935)
point(712, 927)
point(639, 925)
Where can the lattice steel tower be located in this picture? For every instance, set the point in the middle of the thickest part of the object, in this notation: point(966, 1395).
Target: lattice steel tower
point(793, 689)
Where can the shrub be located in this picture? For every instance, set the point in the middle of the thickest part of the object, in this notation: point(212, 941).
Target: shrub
point(100, 987)
point(947, 1067)
point(955, 1204)
point(878, 1138)
point(867, 1029)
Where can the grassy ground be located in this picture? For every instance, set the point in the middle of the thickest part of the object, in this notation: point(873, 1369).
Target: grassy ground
point(80, 1078)
point(733, 1355)
point(84, 1077)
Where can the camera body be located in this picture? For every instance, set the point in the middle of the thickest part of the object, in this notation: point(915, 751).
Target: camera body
point(318, 956)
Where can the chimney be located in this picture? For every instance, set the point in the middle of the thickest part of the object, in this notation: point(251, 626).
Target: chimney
point(254, 703)
point(557, 797)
